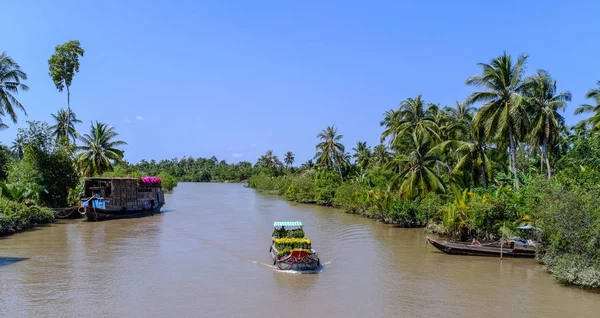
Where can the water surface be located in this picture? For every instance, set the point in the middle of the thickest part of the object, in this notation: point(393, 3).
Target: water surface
point(208, 256)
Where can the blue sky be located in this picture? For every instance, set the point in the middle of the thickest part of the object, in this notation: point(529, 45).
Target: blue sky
point(235, 78)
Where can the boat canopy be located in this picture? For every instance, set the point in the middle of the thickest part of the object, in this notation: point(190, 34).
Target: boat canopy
point(528, 227)
point(287, 224)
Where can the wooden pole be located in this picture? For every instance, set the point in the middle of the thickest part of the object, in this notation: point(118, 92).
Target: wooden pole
point(501, 245)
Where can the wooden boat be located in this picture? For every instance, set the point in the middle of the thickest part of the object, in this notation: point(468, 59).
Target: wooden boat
point(117, 198)
point(510, 248)
point(296, 259)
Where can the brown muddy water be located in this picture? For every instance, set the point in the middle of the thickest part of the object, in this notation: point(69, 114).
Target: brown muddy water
point(208, 256)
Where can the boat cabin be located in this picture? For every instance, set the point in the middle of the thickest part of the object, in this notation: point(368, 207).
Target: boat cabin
point(122, 193)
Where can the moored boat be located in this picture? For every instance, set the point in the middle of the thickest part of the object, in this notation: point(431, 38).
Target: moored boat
point(515, 247)
point(117, 198)
point(290, 249)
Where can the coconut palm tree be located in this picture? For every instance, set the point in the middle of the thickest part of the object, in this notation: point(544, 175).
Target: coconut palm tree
point(269, 161)
point(503, 115)
point(362, 154)
point(544, 104)
point(18, 146)
point(330, 152)
point(65, 125)
point(417, 176)
point(410, 116)
point(289, 158)
point(99, 150)
point(461, 118)
point(594, 120)
point(10, 84)
point(381, 155)
point(474, 156)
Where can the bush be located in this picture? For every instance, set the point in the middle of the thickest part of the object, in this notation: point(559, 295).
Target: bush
point(570, 217)
point(168, 181)
point(346, 196)
point(263, 182)
point(302, 188)
point(15, 216)
point(403, 213)
point(326, 182)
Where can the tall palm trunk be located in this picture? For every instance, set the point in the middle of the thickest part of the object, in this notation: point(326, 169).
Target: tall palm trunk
point(545, 151)
point(513, 154)
point(68, 109)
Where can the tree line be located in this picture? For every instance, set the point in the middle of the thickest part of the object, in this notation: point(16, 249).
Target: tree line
point(500, 158)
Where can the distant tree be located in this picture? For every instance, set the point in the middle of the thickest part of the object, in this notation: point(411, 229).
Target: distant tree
point(594, 120)
point(381, 154)
point(545, 103)
point(63, 65)
point(99, 149)
point(330, 152)
point(289, 159)
point(65, 125)
point(10, 83)
point(362, 154)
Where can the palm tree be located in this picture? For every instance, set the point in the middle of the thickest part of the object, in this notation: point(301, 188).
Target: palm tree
point(417, 174)
point(461, 118)
point(545, 103)
point(269, 161)
point(381, 155)
point(18, 146)
point(99, 149)
point(10, 83)
point(362, 154)
point(410, 116)
point(330, 152)
point(289, 158)
point(65, 125)
point(503, 114)
point(594, 120)
point(473, 156)
point(461, 112)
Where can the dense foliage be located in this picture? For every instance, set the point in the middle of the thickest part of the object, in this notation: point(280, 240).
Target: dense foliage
point(197, 170)
point(471, 173)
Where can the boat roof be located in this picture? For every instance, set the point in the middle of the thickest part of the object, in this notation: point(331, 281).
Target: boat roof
point(528, 227)
point(287, 224)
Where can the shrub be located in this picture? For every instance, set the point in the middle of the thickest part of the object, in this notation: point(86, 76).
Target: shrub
point(16, 216)
point(326, 182)
point(403, 213)
point(168, 181)
point(302, 188)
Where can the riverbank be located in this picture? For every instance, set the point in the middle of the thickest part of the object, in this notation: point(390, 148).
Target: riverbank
point(566, 211)
point(17, 217)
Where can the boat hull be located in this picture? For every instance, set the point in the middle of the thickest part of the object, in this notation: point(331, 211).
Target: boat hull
point(96, 214)
point(308, 262)
point(480, 250)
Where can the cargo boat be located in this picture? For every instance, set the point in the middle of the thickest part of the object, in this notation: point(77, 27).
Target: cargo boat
point(117, 198)
point(291, 250)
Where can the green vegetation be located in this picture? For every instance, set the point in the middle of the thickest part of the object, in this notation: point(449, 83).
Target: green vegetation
point(296, 233)
point(468, 172)
point(461, 171)
point(292, 243)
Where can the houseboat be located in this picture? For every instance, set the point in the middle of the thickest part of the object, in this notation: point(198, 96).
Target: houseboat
point(290, 249)
point(117, 198)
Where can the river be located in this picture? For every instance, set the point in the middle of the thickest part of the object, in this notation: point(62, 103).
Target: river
point(207, 255)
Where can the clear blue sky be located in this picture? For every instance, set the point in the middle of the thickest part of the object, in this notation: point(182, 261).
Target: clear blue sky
point(235, 78)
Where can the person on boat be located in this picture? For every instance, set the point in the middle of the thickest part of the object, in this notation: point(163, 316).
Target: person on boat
point(475, 242)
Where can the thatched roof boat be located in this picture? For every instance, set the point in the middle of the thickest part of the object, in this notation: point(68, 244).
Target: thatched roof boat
point(290, 249)
point(115, 198)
